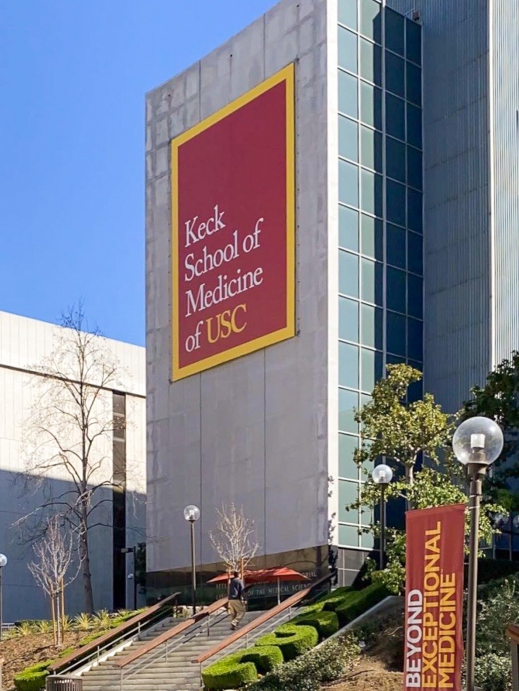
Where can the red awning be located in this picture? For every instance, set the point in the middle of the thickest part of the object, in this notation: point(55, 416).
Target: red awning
point(280, 573)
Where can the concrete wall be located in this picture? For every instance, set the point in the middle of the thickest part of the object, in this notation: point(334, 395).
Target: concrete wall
point(252, 431)
point(24, 343)
point(504, 31)
point(458, 295)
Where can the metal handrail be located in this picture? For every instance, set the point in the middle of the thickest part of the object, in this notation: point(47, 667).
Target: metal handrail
point(175, 631)
point(199, 628)
point(262, 619)
point(125, 633)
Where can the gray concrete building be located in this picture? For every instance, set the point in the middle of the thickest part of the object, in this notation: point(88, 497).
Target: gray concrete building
point(406, 210)
point(273, 430)
point(34, 483)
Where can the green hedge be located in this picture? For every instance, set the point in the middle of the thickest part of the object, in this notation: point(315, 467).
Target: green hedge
point(33, 678)
point(358, 602)
point(326, 623)
point(291, 639)
point(241, 668)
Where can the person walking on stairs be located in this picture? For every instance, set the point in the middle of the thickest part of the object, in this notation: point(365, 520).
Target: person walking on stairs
point(236, 600)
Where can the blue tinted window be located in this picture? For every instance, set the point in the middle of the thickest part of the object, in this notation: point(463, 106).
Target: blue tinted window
point(348, 13)
point(394, 31)
point(371, 148)
point(370, 62)
point(394, 359)
point(371, 368)
point(348, 536)
point(370, 20)
point(395, 159)
point(348, 139)
point(371, 326)
point(414, 84)
point(415, 253)
point(396, 334)
point(348, 183)
point(414, 296)
point(347, 447)
point(415, 392)
point(414, 126)
point(414, 168)
point(348, 320)
point(348, 274)
point(395, 238)
point(413, 42)
point(347, 50)
point(348, 365)
point(371, 237)
point(348, 403)
point(371, 281)
point(414, 339)
point(395, 116)
point(371, 197)
point(396, 288)
point(395, 74)
point(348, 228)
point(414, 210)
point(395, 203)
point(348, 494)
point(348, 97)
point(371, 105)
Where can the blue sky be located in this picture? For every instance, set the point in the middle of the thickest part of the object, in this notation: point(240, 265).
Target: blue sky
point(73, 76)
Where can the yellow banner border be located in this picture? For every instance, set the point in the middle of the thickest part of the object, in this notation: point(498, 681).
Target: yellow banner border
point(287, 75)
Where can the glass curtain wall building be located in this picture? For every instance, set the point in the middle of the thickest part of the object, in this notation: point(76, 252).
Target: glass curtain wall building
point(380, 222)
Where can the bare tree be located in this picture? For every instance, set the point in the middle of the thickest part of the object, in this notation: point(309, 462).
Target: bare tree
point(234, 538)
point(54, 554)
point(68, 438)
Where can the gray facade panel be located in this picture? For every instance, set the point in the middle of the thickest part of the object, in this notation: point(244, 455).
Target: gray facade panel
point(457, 199)
point(209, 439)
point(505, 91)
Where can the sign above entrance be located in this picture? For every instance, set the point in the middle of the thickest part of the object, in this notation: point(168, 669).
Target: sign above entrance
point(233, 201)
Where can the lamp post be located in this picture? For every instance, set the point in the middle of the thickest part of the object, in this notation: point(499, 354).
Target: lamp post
point(3, 564)
point(382, 475)
point(132, 550)
point(477, 443)
point(192, 514)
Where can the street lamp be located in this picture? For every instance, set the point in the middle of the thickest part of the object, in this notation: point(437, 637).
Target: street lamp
point(132, 550)
point(192, 514)
point(382, 475)
point(477, 443)
point(3, 563)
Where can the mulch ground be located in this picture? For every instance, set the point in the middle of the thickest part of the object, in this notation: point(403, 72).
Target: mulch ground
point(19, 653)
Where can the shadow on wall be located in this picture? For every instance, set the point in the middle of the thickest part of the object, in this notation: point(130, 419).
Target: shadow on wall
point(22, 597)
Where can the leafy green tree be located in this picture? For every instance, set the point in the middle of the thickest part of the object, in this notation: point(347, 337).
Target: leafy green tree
point(398, 430)
point(401, 432)
point(499, 400)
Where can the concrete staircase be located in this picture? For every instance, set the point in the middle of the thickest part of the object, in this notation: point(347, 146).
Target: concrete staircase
point(156, 672)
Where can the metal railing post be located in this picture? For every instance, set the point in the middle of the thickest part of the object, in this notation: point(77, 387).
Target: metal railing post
point(514, 649)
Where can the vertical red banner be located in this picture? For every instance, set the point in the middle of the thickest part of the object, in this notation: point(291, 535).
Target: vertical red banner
point(435, 540)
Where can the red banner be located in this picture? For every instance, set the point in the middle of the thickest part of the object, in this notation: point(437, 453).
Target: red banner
point(434, 598)
point(233, 203)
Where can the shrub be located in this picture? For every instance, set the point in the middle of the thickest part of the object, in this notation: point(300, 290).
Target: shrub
point(499, 606)
point(44, 626)
point(326, 623)
point(83, 622)
point(238, 669)
point(494, 672)
point(358, 602)
point(32, 678)
point(293, 640)
point(311, 670)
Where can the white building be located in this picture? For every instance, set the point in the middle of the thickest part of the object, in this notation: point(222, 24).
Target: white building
point(24, 346)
